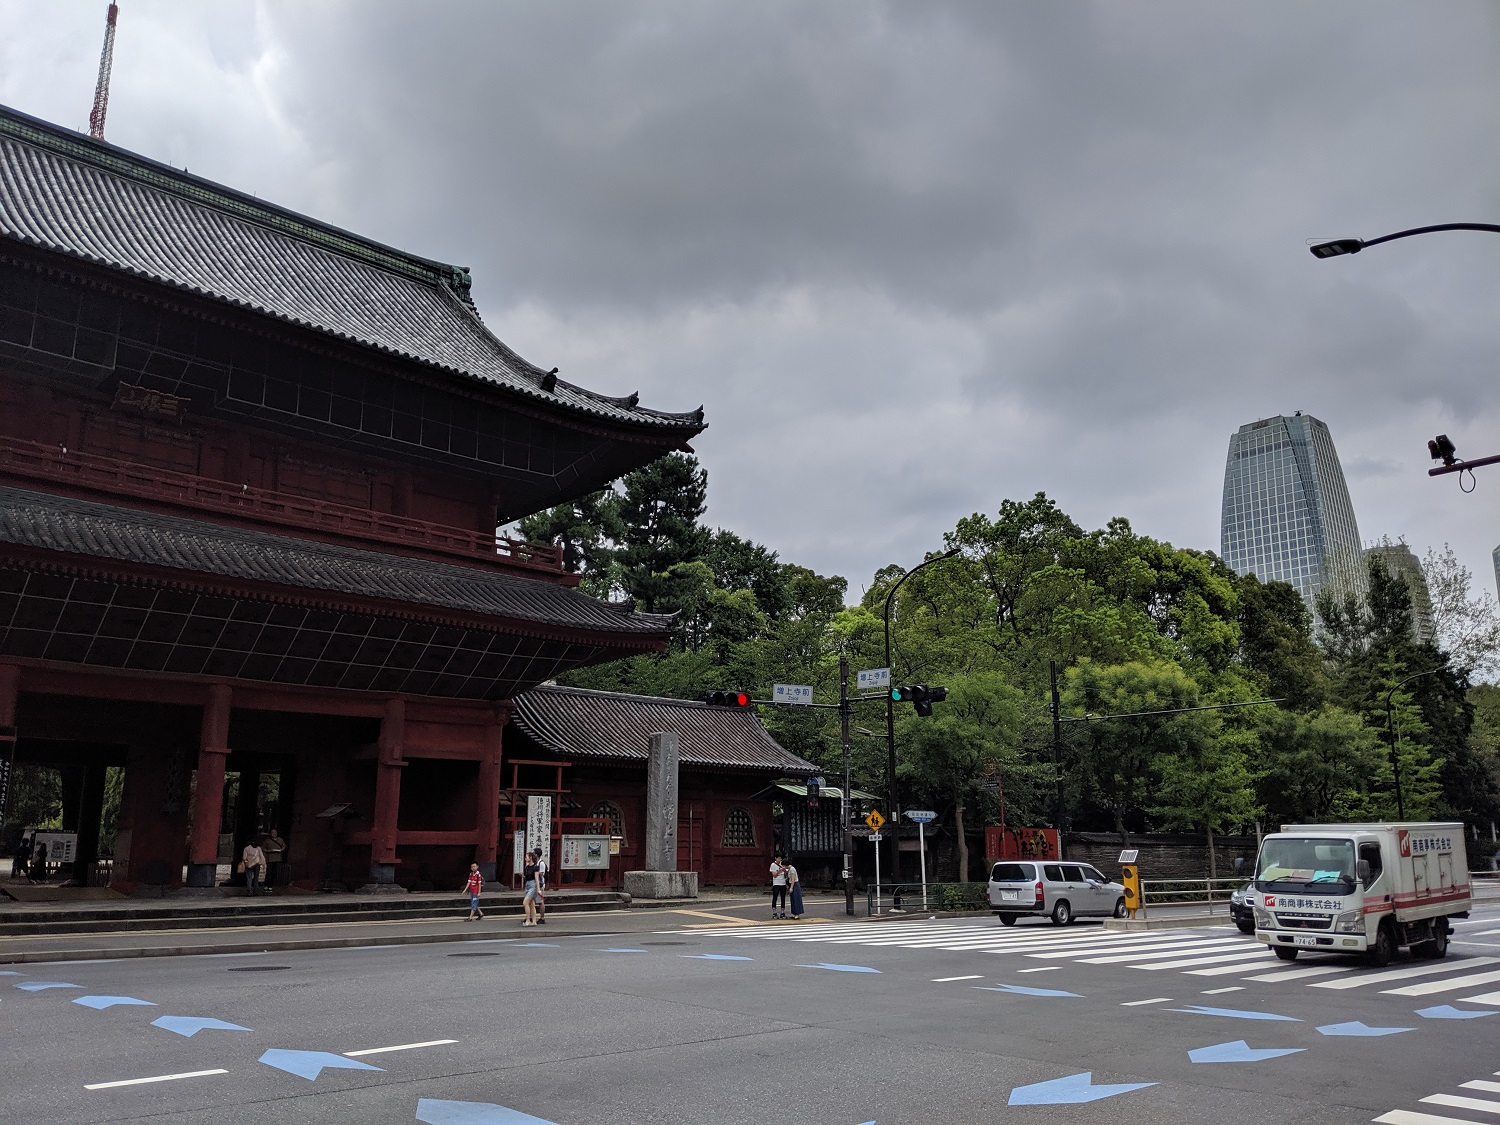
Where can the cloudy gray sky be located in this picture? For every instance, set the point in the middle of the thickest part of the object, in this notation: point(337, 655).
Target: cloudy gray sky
point(912, 257)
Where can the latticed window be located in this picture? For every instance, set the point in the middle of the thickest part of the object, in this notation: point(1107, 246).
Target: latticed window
point(739, 829)
point(607, 812)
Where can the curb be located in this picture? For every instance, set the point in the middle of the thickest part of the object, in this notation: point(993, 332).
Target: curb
point(1173, 923)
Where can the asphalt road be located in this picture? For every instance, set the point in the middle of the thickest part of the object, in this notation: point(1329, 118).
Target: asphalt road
point(842, 1023)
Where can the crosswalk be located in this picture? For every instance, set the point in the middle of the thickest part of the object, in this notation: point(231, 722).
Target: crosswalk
point(1466, 1103)
point(1204, 953)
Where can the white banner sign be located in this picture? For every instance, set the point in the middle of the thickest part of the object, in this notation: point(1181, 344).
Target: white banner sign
point(518, 860)
point(585, 853)
point(539, 824)
point(873, 679)
point(791, 693)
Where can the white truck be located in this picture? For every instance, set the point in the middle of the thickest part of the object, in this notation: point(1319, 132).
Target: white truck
point(1360, 889)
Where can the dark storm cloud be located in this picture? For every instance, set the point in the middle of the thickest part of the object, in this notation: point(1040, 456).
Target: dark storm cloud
point(913, 258)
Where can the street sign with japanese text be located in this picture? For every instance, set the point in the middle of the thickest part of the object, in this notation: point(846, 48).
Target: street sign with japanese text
point(920, 816)
point(873, 679)
point(791, 693)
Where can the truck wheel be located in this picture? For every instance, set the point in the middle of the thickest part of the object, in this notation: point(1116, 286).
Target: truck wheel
point(1383, 951)
point(1120, 907)
point(1438, 946)
point(1285, 952)
point(1007, 919)
point(1062, 913)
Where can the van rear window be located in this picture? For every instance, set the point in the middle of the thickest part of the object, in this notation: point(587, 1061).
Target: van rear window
point(1012, 873)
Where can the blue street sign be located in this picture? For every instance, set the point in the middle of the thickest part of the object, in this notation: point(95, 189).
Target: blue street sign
point(920, 816)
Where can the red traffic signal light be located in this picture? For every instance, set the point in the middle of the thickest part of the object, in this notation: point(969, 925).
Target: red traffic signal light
point(737, 700)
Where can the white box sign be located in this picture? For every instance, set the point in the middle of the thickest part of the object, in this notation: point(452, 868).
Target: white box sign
point(585, 853)
point(791, 693)
point(539, 824)
point(873, 679)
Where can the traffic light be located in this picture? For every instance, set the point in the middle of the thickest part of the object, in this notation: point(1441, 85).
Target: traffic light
point(736, 700)
point(920, 696)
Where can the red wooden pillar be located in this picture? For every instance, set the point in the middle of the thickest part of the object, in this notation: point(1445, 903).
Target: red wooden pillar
point(208, 792)
point(487, 849)
point(388, 767)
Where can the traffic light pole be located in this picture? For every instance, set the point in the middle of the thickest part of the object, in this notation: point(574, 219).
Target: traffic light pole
point(847, 805)
point(1057, 757)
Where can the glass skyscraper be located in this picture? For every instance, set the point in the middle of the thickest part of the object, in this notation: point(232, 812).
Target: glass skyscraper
point(1287, 515)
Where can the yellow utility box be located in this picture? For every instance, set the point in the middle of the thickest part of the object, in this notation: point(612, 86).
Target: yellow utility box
point(1130, 875)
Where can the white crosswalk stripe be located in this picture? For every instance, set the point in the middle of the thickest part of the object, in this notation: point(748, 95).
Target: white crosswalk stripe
point(1207, 952)
point(1448, 1101)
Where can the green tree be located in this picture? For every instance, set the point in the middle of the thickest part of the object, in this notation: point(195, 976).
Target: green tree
point(658, 509)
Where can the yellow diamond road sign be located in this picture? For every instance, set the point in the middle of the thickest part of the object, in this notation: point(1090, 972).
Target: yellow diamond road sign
point(874, 820)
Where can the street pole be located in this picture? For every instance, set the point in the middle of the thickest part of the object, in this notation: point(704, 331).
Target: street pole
point(847, 804)
point(1394, 733)
point(892, 804)
point(922, 845)
point(877, 874)
point(1057, 755)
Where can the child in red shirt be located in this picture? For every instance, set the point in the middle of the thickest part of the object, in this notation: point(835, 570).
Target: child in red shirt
point(472, 888)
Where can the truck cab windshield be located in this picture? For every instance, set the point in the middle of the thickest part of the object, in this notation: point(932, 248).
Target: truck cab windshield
point(1290, 864)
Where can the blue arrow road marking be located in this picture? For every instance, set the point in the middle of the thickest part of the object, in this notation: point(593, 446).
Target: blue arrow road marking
point(9, 973)
point(1022, 990)
point(1072, 1090)
point(622, 951)
point(309, 1064)
point(188, 1026)
point(1359, 1027)
point(436, 1112)
point(716, 957)
point(99, 1003)
point(1449, 1012)
point(39, 985)
point(840, 968)
point(1239, 1051)
point(538, 945)
point(1233, 1013)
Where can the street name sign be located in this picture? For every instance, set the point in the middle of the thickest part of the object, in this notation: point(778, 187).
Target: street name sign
point(921, 816)
point(873, 679)
point(791, 693)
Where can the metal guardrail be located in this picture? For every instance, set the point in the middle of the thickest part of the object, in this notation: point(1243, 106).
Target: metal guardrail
point(1175, 892)
point(914, 898)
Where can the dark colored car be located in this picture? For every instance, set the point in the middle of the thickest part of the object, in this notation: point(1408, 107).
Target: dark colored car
point(1242, 908)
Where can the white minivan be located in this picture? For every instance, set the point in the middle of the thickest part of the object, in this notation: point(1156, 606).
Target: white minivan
point(1060, 890)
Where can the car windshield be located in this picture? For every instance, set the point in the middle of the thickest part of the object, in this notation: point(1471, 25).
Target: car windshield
point(1289, 863)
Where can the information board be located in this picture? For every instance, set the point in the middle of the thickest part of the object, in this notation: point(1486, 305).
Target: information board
point(585, 853)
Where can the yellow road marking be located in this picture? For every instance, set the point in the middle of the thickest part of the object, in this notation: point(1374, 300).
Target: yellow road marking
point(717, 917)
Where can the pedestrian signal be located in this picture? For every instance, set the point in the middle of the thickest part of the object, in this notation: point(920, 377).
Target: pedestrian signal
point(737, 700)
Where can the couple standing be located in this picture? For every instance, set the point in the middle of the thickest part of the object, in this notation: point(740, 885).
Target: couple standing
point(784, 881)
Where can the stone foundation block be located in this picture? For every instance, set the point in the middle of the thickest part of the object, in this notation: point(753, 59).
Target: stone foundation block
point(661, 884)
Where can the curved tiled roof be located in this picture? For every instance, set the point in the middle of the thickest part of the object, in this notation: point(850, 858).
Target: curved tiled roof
point(105, 531)
point(66, 193)
point(579, 723)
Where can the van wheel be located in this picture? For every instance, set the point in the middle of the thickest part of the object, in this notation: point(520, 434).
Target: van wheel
point(1438, 946)
point(1007, 919)
point(1120, 907)
point(1383, 951)
point(1285, 952)
point(1062, 913)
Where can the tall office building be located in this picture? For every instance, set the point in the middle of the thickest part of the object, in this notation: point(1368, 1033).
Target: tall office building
point(1400, 560)
point(1287, 515)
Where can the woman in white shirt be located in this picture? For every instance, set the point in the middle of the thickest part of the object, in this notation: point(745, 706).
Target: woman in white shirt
point(778, 886)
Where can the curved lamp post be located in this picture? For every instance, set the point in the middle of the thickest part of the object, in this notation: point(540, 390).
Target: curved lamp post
point(890, 721)
point(1395, 735)
point(1341, 246)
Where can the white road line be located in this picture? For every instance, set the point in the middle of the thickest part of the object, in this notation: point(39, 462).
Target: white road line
point(1408, 971)
point(1453, 1101)
point(1040, 969)
point(1451, 985)
point(1407, 1117)
point(1220, 991)
point(1295, 974)
point(1217, 971)
point(1482, 998)
point(158, 1078)
point(1237, 947)
point(1153, 1000)
point(401, 1047)
point(1487, 1087)
point(1197, 961)
point(945, 980)
point(1128, 951)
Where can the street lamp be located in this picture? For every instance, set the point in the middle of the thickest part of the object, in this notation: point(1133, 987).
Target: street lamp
point(890, 720)
point(1341, 246)
point(1394, 734)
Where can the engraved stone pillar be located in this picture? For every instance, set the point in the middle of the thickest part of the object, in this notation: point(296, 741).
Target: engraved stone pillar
point(661, 879)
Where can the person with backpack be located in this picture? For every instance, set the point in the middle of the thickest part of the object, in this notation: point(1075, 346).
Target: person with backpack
point(473, 888)
point(794, 885)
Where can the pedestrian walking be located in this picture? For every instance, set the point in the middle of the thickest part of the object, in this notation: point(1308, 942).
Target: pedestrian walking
point(275, 848)
point(473, 888)
point(253, 860)
point(542, 869)
point(794, 886)
point(528, 877)
point(778, 886)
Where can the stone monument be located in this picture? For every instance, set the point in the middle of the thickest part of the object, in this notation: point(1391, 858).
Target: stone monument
point(661, 879)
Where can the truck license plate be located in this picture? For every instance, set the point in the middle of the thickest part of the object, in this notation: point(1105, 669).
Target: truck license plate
point(1304, 941)
point(1008, 896)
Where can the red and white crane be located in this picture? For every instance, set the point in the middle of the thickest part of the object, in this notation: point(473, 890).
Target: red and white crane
point(106, 61)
